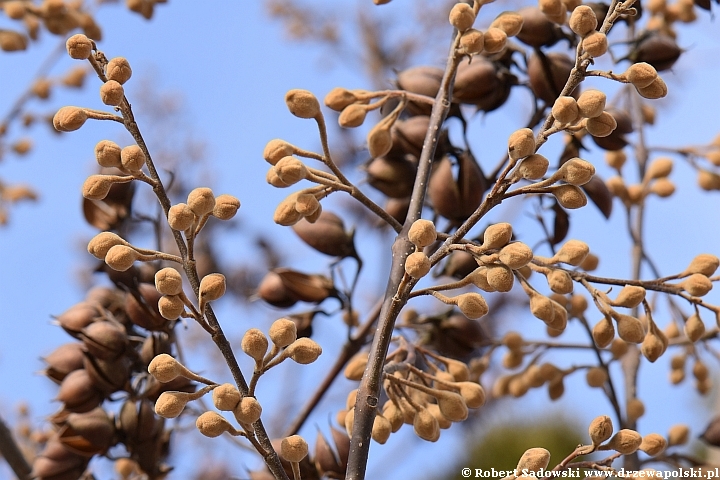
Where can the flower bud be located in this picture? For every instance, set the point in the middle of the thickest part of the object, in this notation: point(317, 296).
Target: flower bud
point(629, 328)
point(602, 125)
point(352, 116)
point(573, 252)
point(625, 442)
point(694, 328)
point(583, 20)
point(472, 41)
point(212, 287)
point(118, 69)
point(277, 149)
point(112, 93)
point(212, 424)
point(181, 217)
point(615, 158)
point(381, 429)
point(569, 196)
point(426, 425)
point(533, 460)
point(497, 236)
point(659, 168)
point(595, 44)
point(165, 368)
point(635, 409)
point(171, 404)
point(79, 47)
point(452, 405)
point(283, 332)
point(509, 22)
point(641, 74)
point(293, 448)
point(102, 242)
point(521, 144)
point(560, 282)
point(603, 332)
point(226, 206)
point(472, 393)
point(596, 377)
point(472, 305)
point(656, 89)
point(226, 397)
point(68, 119)
point(248, 410)
point(462, 16)
point(704, 264)
point(654, 345)
point(393, 414)
point(696, 285)
point(290, 170)
point(201, 201)
point(302, 103)
point(565, 110)
point(339, 98)
point(121, 257)
point(132, 158)
point(678, 435)
point(304, 351)
point(107, 154)
point(422, 233)
point(600, 429)
point(171, 307)
point(255, 344)
point(577, 171)
point(533, 167)
point(417, 265)
point(516, 255)
point(494, 41)
point(653, 444)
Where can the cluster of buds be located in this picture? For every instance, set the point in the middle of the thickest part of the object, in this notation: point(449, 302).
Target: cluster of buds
point(190, 216)
point(655, 181)
point(493, 40)
point(532, 376)
point(700, 372)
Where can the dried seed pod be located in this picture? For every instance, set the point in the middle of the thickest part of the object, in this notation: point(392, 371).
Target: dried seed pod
point(226, 206)
point(181, 217)
point(654, 345)
point(595, 44)
point(509, 22)
point(515, 255)
point(678, 435)
point(694, 328)
point(476, 81)
point(533, 167)
point(63, 360)
point(497, 236)
point(352, 116)
point(302, 103)
point(629, 328)
point(625, 442)
point(565, 110)
point(656, 89)
point(600, 429)
point(596, 377)
point(118, 69)
point(456, 193)
point(537, 30)
point(338, 98)
point(472, 41)
point(462, 16)
point(494, 40)
point(603, 332)
point(583, 20)
point(521, 144)
point(472, 393)
point(327, 235)
point(426, 425)
point(212, 424)
point(248, 410)
point(417, 265)
point(304, 351)
point(277, 149)
point(533, 460)
point(653, 444)
point(472, 305)
point(282, 332)
point(422, 233)
point(107, 154)
point(659, 50)
point(704, 264)
point(635, 409)
point(548, 87)
point(78, 46)
point(591, 103)
point(68, 119)
point(601, 126)
point(569, 196)
point(171, 307)
point(641, 74)
point(696, 285)
point(392, 176)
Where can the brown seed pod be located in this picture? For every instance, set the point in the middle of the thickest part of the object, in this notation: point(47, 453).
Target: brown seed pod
point(302, 103)
point(417, 265)
point(615, 159)
point(78, 46)
point(576, 171)
point(500, 278)
point(583, 20)
point(68, 119)
point(600, 429)
point(102, 242)
point(226, 206)
point(118, 69)
point(181, 217)
point(462, 16)
point(104, 340)
point(549, 86)
point(537, 30)
point(659, 168)
point(63, 360)
point(565, 110)
point(659, 50)
point(394, 177)
point(521, 144)
point(591, 103)
point(290, 170)
point(708, 180)
point(453, 196)
point(700, 371)
point(356, 366)
point(533, 460)
point(304, 351)
point(625, 442)
point(381, 429)
point(603, 332)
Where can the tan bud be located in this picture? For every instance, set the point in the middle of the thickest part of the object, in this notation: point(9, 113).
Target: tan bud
point(283, 332)
point(569, 196)
point(426, 425)
point(659, 168)
point(533, 460)
point(629, 328)
point(452, 406)
point(422, 233)
point(596, 377)
point(255, 344)
point(678, 435)
point(700, 371)
point(696, 285)
point(118, 69)
point(212, 287)
point(641, 74)
point(226, 206)
point(472, 305)
point(165, 368)
point(121, 257)
point(277, 149)
point(472, 41)
point(565, 110)
point(201, 201)
point(704, 264)
point(339, 98)
point(615, 158)
point(68, 119)
point(516, 255)
point(247, 410)
point(472, 393)
point(603, 332)
point(533, 167)
point(521, 144)
point(78, 46)
point(302, 103)
point(600, 429)
point(653, 444)
point(14, 9)
point(573, 252)
point(417, 265)
point(694, 328)
point(583, 20)
point(180, 217)
point(290, 170)
point(509, 22)
point(11, 41)
point(171, 307)
point(102, 242)
point(394, 415)
point(512, 340)
point(352, 116)
point(107, 154)
point(379, 139)
point(635, 409)
point(618, 348)
point(212, 424)
point(112, 93)
point(171, 404)
point(132, 158)
point(625, 442)
point(577, 171)
point(602, 125)
point(654, 345)
point(497, 236)
point(226, 397)
point(595, 44)
point(286, 214)
point(381, 429)
point(630, 296)
point(560, 282)
point(356, 366)
point(494, 41)
point(656, 89)
point(304, 351)
point(462, 16)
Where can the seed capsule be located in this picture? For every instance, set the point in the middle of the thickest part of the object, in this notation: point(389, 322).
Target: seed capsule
point(211, 288)
point(472, 393)
point(290, 170)
point(352, 116)
point(302, 103)
point(630, 296)
point(630, 328)
point(452, 406)
point(533, 167)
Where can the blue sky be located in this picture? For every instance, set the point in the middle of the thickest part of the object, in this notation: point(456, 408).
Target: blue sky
point(229, 66)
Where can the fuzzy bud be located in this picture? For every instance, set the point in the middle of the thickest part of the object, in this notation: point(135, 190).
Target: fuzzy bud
point(248, 410)
point(600, 429)
point(494, 40)
point(641, 74)
point(132, 158)
point(112, 93)
point(69, 119)
point(180, 217)
point(302, 103)
point(509, 22)
point(422, 233)
point(591, 104)
point(653, 444)
point(625, 442)
point(678, 435)
point(277, 149)
point(426, 425)
point(290, 170)
point(656, 89)
point(603, 333)
point(533, 167)
point(497, 236)
point(462, 16)
point(79, 47)
point(283, 332)
point(212, 287)
point(171, 307)
point(472, 393)
point(226, 397)
point(694, 328)
point(697, 285)
point(121, 257)
point(577, 171)
point(379, 139)
point(533, 460)
point(118, 69)
point(165, 368)
point(201, 201)
point(596, 377)
point(573, 252)
point(583, 20)
point(472, 41)
point(659, 168)
point(352, 116)
point(212, 424)
point(255, 344)
point(521, 144)
point(452, 406)
point(339, 98)
point(417, 265)
point(472, 305)
point(595, 44)
point(569, 196)
point(704, 264)
point(381, 429)
point(304, 351)
point(635, 409)
point(108, 154)
point(516, 255)
point(565, 110)
point(629, 328)
point(226, 206)
point(102, 242)
point(293, 448)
